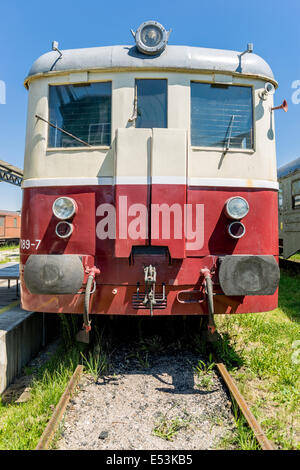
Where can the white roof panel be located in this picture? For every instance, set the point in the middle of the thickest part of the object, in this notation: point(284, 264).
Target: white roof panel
point(173, 57)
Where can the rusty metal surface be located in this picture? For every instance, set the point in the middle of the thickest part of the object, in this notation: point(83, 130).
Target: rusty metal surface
point(53, 424)
point(258, 432)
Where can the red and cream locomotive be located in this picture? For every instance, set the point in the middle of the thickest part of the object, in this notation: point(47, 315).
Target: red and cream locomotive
point(150, 182)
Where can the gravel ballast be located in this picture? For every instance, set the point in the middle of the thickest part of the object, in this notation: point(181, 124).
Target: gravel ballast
point(144, 393)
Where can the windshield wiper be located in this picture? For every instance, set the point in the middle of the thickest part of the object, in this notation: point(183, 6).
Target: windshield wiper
point(135, 110)
point(230, 132)
point(62, 130)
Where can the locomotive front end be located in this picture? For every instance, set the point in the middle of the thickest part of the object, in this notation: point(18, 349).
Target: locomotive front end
point(150, 181)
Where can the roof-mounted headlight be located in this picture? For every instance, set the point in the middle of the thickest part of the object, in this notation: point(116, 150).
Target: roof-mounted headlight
point(236, 208)
point(64, 208)
point(151, 37)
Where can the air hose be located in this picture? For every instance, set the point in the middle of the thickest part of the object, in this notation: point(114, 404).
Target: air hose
point(210, 299)
point(87, 296)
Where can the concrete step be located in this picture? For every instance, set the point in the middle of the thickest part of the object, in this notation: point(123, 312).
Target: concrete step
point(21, 336)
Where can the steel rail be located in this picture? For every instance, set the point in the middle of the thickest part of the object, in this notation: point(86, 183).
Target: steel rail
point(244, 408)
point(53, 424)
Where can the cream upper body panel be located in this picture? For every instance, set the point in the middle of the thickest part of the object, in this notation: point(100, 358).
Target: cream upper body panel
point(43, 162)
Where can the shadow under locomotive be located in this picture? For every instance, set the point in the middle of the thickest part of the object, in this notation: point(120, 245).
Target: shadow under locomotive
point(168, 349)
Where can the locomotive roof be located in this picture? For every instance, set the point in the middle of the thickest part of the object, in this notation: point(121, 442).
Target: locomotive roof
point(289, 168)
point(173, 57)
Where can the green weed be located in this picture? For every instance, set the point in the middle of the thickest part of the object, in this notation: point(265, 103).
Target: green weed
point(204, 368)
point(167, 429)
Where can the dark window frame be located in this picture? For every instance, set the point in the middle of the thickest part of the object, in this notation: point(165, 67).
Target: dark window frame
point(295, 195)
point(253, 120)
point(75, 147)
point(167, 98)
point(280, 196)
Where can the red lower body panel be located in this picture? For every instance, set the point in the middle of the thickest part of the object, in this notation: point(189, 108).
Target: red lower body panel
point(121, 272)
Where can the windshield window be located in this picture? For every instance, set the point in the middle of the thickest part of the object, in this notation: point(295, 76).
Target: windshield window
point(83, 110)
point(151, 103)
point(221, 116)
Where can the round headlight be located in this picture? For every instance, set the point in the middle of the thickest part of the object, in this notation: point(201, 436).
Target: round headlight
point(64, 208)
point(236, 207)
point(151, 37)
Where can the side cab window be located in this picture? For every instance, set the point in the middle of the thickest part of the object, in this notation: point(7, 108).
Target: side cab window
point(296, 194)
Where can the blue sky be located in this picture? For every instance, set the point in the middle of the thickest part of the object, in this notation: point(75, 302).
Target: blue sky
point(28, 29)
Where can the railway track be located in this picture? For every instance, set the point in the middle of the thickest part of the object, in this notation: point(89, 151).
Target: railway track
point(236, 396)
point(260, 436)
point(58, 413)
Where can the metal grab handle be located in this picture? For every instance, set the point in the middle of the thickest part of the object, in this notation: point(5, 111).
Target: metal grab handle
point(190, 292)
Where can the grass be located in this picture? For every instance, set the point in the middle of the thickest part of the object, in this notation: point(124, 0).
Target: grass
point(203, 371)
point(21, 425)
point(8, 247)
point(168, 428)
point(206, 382)
point(141, 358)
point(263, 354)
point(11, 248)
point(261, 351)
point(97, 362)
point(242, 438)
point(295, 257)
point(204, 368)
